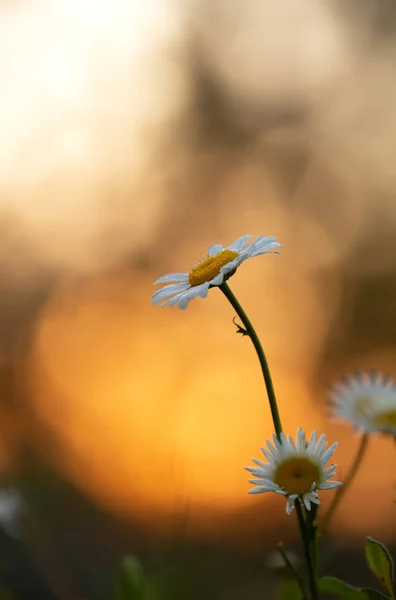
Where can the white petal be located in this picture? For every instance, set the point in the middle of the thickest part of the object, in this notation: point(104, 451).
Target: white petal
point(265, 249)
point(320, 444)
point(182, 277)
point(328, 453)
point(283, 439)
point(271, 448)
point(202, 290)
point(330, 471)
point(306, 501)
point(261, 245)
point(277, 443)
point(180, 295)
point(269, 486)
point(258, 490)
point(261, 482)
point(218, 280)
point(329, 485)
point(254, 471)
point(290, 504)
point(301, 442)
point(215, 249)
point(312, 439)
point(261, 464)
point(168, 290)
point(185, 297)
point(239, 243)
point(268, 456)
point(231, 266)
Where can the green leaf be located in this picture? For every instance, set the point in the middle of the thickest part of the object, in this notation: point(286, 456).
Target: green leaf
point(132, 583)
point(337, 587)
point(374, 594)
point(288, 590)
point(381, 564)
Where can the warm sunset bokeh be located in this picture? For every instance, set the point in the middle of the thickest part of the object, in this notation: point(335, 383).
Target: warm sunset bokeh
point(135, 135)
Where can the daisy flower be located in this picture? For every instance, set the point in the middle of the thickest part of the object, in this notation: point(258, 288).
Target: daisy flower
point(213, 270)
point(295, 470)
point(368, 401)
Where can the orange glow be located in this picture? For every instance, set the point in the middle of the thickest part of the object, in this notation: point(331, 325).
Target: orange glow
point(156, 408)
point(109, 155)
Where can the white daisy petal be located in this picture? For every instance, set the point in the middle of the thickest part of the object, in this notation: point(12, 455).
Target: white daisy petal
point(215, 249)
point(329, 485)
point(312, 439)
point(261, 464)
point(268, 456)
point(218, 280)
point(267, 486)
point(261, 482)
point(202, 290)
point(254, 471)
point(291, 442)
point(290, 504)
point(177, 298)
point(271, 448)
point(239, 243)
point(258, 490)
point(301, 441)
point(295, 470)
point(168, 290)
point(182, 277)
point(185, 297)
point(263, 249)
point(219, 264)
point(234, 264)
point(277, 443)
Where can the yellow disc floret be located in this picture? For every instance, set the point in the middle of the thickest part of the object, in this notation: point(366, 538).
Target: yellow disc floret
point(208, 268)
point(364, 405)
point(386, 419)
point(296, 475)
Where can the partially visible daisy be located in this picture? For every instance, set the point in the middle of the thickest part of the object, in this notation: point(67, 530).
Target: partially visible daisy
point(367, 401)
point(213, 270)
point(295, 470)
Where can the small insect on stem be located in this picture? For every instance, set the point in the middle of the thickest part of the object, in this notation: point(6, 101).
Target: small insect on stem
point(240, 329)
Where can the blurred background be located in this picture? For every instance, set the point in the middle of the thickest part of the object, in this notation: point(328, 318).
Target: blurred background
point(132, 137)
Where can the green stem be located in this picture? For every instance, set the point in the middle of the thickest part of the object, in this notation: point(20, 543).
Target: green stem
point(308, 558)
point(292, 570)
point(341, 491)
point(260, 353)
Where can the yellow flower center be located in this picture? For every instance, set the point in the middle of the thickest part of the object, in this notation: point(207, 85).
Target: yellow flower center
point(296, 475)
point(364, 405)
point(386, 418)
point(208, 268)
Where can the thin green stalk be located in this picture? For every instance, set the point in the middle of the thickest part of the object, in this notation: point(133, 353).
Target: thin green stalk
point(292, 570)
point(341, 491)
point(308, 558)
point(260, 353)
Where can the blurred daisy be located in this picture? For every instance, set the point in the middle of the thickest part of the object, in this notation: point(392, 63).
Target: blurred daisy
point(213, 270)
point(295, 470)
point(367, 401)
